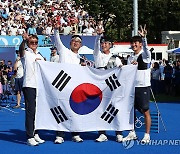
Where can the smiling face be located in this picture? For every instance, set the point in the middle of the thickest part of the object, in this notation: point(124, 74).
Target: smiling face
point(75, 44)
point(33, 43)
point(136, 46)
point(106, 47)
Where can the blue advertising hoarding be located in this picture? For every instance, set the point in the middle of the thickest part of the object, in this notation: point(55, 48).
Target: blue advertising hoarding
point(45, 42)
point(8, 53)
point(15, 41)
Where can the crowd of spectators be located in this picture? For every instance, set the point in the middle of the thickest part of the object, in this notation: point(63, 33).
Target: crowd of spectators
point(37, 17)
point(165, 77)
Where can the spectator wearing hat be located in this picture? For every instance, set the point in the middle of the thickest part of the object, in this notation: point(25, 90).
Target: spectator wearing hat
point(54, 56)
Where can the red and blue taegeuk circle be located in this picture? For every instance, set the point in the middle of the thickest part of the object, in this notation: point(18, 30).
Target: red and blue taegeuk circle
point(85, 98)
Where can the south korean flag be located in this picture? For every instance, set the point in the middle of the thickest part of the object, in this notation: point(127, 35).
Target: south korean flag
point(75, 98)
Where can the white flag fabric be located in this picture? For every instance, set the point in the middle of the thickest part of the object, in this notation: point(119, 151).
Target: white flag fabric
point(78, 98)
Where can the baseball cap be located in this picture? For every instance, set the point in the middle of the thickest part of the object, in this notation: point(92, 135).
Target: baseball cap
point(53, 48)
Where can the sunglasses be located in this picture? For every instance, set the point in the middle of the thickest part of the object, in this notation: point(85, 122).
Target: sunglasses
point(32, 42)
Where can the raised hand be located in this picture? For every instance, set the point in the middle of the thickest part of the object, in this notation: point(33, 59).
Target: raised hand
point(56, 25)
point(25, 36)
point(143, 31)
point(99, 31)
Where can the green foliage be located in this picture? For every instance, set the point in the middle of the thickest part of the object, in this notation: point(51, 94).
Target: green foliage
point(117, 15)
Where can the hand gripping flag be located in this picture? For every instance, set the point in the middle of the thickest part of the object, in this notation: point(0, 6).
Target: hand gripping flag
point(78, 98)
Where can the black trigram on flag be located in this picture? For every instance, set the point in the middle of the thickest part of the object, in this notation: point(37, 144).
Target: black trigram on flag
point(112, 82)
point(110, 113)
point(58, 114)
point(61, 80)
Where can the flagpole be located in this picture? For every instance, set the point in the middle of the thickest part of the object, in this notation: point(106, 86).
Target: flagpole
point(135, 17)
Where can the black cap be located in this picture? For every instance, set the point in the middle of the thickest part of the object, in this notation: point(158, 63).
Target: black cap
point(53, 48)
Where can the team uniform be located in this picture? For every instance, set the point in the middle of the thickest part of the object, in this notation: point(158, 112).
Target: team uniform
point(143, 77)
point(65, 54)
point(29, 88)
point(104, 61)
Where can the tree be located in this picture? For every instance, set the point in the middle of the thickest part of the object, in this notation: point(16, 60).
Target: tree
point(117, 15)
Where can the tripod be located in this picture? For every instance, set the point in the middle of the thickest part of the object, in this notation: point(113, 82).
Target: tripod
point(158, 109)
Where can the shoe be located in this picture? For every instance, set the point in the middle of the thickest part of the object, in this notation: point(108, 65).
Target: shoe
point(38, 139)
point(119, 138)
point(77, 139)
point(32, 142)
point(59, 140)
point(146, 138)
point(16, 107)
point(131, 136)
point(102, 138)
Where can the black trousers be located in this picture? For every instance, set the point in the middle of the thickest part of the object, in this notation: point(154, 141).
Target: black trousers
point(30, 106)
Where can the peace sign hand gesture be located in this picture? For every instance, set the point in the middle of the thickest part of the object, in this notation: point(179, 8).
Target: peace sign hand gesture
point(143, 31)
point(56, 25)
point(99, 31)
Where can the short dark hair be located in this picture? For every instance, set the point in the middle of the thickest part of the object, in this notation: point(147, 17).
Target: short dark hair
point(136, 38)
point(105, 39)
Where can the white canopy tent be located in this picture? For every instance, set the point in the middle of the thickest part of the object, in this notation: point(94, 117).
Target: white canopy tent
point(115, 50)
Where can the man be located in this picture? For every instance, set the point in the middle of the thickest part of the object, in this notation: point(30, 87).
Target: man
point(142, 58)
point(54, 56)
point(18, 71)
point(105, 60)
point(29, 56)
point(70, 56)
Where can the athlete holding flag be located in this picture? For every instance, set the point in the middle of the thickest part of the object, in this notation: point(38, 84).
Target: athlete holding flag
point(142, 58)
